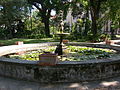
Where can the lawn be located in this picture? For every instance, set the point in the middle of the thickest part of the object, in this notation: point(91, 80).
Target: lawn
point(26, 41)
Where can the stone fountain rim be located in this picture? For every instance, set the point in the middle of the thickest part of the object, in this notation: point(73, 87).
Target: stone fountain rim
point(26, 46)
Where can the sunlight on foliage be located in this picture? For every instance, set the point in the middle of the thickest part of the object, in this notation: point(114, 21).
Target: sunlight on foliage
point(72, 53)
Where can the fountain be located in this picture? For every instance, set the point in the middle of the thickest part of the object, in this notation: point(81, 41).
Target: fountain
point(61, 46)
point(63, 71)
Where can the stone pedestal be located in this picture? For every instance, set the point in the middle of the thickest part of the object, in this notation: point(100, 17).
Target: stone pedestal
point(60, 47)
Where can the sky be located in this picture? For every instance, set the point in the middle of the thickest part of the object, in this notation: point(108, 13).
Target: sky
point(53, 12)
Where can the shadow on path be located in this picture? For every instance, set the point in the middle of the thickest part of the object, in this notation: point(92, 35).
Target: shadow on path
point(12, 84)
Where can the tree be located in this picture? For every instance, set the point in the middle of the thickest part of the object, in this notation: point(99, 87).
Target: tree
point(92, 7)
point(35, 28)
point(95, 6)
point(45, 7)
point(12, 13)
point(114, 15)
point(110, 16)
point(81, 10)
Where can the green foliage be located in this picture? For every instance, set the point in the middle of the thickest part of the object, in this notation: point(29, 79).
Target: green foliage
point(3, 33)
point(85, 53)
point(35, 27)
point(19, 20)
point(26, 41)
point(73, 53)
point(45, 7)
point(104, 37)
point(11, 14)
point(88, 51)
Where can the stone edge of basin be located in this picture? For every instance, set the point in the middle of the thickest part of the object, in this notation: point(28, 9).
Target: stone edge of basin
point(38, 45)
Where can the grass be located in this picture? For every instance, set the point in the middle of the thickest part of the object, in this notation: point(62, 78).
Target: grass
point(26, 41)
point(117, 36)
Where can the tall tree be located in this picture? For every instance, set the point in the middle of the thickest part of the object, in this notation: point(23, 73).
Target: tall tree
point(95, 6)
point(114, 15)
point(45, 7)
point(12, 12)
point(110, 16)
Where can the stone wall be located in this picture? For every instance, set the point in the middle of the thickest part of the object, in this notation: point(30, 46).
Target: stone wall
point(62, 72)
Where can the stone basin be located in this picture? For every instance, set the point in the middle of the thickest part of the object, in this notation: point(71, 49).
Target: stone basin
point(63, 71)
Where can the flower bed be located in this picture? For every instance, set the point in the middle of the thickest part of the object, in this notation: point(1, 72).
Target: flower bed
point(73, 53)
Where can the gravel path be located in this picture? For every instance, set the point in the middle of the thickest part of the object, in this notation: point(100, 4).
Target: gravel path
point(12, 84)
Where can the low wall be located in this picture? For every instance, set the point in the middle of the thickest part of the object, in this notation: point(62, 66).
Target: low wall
point(66, 71)
point(62, 72)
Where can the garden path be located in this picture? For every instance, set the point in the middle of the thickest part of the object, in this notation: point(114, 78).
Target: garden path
point(12, 84)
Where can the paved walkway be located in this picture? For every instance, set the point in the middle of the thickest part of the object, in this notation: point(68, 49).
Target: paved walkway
point(12, 84)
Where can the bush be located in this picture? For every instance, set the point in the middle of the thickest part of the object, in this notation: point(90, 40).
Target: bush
point(4, 34)
point(36, 36)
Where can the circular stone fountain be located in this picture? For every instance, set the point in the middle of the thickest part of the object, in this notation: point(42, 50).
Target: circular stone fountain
point(63, 71)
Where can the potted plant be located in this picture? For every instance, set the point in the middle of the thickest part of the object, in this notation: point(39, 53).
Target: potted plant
point(19, 43)
point(48, 59)
point(109, 42)
point(65, 41)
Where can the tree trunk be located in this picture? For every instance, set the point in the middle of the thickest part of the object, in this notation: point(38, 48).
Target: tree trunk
point(45, 15)
point(45, 18)
point(112, 31)
point(94, 26)
point(118, 27)
point(86, 23)
point(47, 29)
point(94, 9)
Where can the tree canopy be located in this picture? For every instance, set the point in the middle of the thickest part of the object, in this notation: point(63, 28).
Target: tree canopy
point(11, 13)
point(33, 16)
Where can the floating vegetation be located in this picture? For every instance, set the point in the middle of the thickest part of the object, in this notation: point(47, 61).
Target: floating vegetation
point(73, 53)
